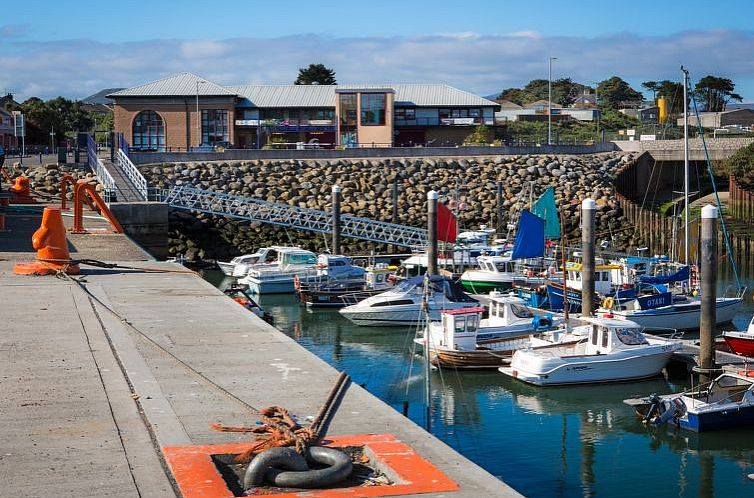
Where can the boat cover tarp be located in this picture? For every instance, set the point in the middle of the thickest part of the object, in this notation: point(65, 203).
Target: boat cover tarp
point(679, 276)
point(545, 209)
point(656, 301)
point(530, 237)
point(447, 227)
point(438, 283)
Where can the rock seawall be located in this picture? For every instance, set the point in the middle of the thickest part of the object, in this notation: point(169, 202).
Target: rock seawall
point(366, 192)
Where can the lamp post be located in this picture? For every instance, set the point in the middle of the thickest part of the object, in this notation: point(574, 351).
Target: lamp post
point(549, 100)
point(198, 116)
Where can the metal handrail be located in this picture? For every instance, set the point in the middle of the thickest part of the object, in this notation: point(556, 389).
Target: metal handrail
point(100, 171)
point(132, 173)
point(281, 214)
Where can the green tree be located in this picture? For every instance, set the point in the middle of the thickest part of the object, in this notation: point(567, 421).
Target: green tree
point(315, 74)
point(715, 92)
point(564, 92)
point(59, 115)
point(515, 95)
point(615, 92)
point(672, 91)
point(652, 86)
point(481, 135)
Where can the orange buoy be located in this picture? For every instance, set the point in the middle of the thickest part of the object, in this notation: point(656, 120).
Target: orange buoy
point(52, 248)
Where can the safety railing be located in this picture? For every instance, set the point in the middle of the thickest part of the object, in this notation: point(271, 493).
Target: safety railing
point(110, 192)
point(132, 173)
point(249, 208)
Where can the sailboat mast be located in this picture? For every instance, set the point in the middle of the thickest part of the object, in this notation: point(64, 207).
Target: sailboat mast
point(685, 166)
point(427, 366)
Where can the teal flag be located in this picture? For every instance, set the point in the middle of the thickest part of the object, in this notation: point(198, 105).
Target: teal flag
point(545, 209)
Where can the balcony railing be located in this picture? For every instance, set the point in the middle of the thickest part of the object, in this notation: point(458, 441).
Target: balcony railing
point(436, 121)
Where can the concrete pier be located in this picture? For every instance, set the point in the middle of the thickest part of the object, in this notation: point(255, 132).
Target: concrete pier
point(101, 374)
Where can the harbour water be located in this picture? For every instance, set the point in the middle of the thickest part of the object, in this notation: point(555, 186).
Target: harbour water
point(552, 442)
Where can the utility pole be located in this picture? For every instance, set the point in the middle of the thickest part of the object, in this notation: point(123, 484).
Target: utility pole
point(549, 100)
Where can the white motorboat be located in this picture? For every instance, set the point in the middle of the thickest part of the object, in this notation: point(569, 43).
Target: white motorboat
point(402, 305)
point(278, 277)
point(614, 350)
point(239, 266)
point(724, 403)
point(494, 273)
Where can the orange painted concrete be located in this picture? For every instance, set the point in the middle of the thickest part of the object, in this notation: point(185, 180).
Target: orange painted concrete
point(197, 476)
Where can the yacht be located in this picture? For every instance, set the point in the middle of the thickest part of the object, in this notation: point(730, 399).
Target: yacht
point(613, 350)
point(239, 266)
point(402, 305)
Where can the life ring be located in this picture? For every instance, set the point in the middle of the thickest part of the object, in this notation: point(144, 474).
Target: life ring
point(392, 279)
point(529, 273)
point(608, 303)
point(296, 282)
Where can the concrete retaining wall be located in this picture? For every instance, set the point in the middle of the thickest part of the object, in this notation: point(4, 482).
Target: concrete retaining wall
point(146, 223)
point(251, 154)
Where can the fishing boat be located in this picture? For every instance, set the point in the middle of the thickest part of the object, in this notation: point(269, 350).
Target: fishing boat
point(726, 402)
point(463, 339)
point(494, 273)
point(608, 281)
point(402, 305)
point(326, 291)
point(278, 277)
point(741, 342)
point(614, 350)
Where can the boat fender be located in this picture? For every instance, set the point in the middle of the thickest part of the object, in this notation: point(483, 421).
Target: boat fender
point(339, 467)
point(608, 303)
point(269, 460)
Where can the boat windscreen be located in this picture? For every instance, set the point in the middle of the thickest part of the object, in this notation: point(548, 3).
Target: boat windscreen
point(454, 292)
point(630, 336)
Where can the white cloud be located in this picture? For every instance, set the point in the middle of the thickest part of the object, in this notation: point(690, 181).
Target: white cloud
point(483, 64)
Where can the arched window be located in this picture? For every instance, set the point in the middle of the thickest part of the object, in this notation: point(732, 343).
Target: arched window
point(148, 132)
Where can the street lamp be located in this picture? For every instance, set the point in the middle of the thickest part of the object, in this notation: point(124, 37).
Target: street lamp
point(198, 116)
point(549, 100)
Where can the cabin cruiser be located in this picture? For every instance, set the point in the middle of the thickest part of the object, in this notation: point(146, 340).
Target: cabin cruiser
point(726, 402)
point(403, 305)
point(463, 339)
point(613, 350)
point(239, 266)
point(278, 277)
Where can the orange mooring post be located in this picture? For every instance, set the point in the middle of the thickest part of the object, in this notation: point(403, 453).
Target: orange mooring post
point(52, 248)
point(64, 182)
point(80, 192)
point(21, 191)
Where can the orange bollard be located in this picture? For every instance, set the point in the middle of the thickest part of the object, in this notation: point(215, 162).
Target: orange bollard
point(21, 191)
point(64, 182)
point(84, 191)
point(52, 248)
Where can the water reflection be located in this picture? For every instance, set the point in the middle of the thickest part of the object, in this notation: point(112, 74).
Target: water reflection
point(563, 442)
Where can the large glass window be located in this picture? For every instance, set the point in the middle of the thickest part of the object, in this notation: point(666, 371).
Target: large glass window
point(214, 126)
point(372, 109)
point(347, 111)
point(148, 132)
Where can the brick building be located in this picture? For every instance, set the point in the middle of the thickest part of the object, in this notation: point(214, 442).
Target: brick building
point(184, 111)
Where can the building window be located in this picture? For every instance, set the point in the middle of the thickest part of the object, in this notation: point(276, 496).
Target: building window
point(148, 132)
point(372, 109)
point(214, 126)
point(405, 114)
point(347, 125)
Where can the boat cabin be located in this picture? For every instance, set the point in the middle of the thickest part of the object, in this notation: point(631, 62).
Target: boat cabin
point(379, 276)
point(508, 309)
point(295, 257)
point(606, 277)
point(460, 327)
point(607, 336)
point(336, 265)
point(496, 264)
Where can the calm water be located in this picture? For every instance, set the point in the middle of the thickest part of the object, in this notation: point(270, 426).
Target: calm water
point(555, 442)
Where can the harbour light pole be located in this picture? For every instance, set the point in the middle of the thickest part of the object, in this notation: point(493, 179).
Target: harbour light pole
point(549, 100)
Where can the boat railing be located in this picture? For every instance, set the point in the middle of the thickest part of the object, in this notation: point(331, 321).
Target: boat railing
point(286, 271)
point(664, 332)
point(734, 291)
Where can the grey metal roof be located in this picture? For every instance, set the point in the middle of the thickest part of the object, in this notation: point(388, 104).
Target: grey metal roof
point(181, 85)
point(420, 95)
point(270, 96)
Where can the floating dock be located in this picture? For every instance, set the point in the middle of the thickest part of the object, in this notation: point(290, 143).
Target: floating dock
point(104, 371)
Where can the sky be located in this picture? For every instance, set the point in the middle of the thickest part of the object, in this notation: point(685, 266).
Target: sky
point(480, 46)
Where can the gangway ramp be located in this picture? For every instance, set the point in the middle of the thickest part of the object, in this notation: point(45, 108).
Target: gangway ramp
point(281, 214)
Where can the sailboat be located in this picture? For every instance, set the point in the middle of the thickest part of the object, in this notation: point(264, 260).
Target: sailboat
point(678, 311)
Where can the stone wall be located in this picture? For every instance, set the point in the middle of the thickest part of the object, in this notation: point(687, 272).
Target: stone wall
point(366, 188)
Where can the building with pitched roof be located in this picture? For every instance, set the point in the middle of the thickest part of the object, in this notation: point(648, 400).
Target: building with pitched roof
point(184, 111)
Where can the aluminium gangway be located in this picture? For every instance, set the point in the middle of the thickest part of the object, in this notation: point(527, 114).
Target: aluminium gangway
point(285, 215)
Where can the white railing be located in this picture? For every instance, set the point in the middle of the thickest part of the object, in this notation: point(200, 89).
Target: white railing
point(132, 173)
point(103, 176)
point(249, 208)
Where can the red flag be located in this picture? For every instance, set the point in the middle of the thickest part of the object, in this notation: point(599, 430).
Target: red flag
point(447, 227)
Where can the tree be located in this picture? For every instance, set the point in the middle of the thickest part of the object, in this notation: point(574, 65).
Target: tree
point(652, 86)
point(672, 91)
point(58, 114)
point(315, 74)
point(715, 92)
point(615, 92)
point(564, 92)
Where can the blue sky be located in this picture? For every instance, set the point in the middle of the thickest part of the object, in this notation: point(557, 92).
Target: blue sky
point(480, 46)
